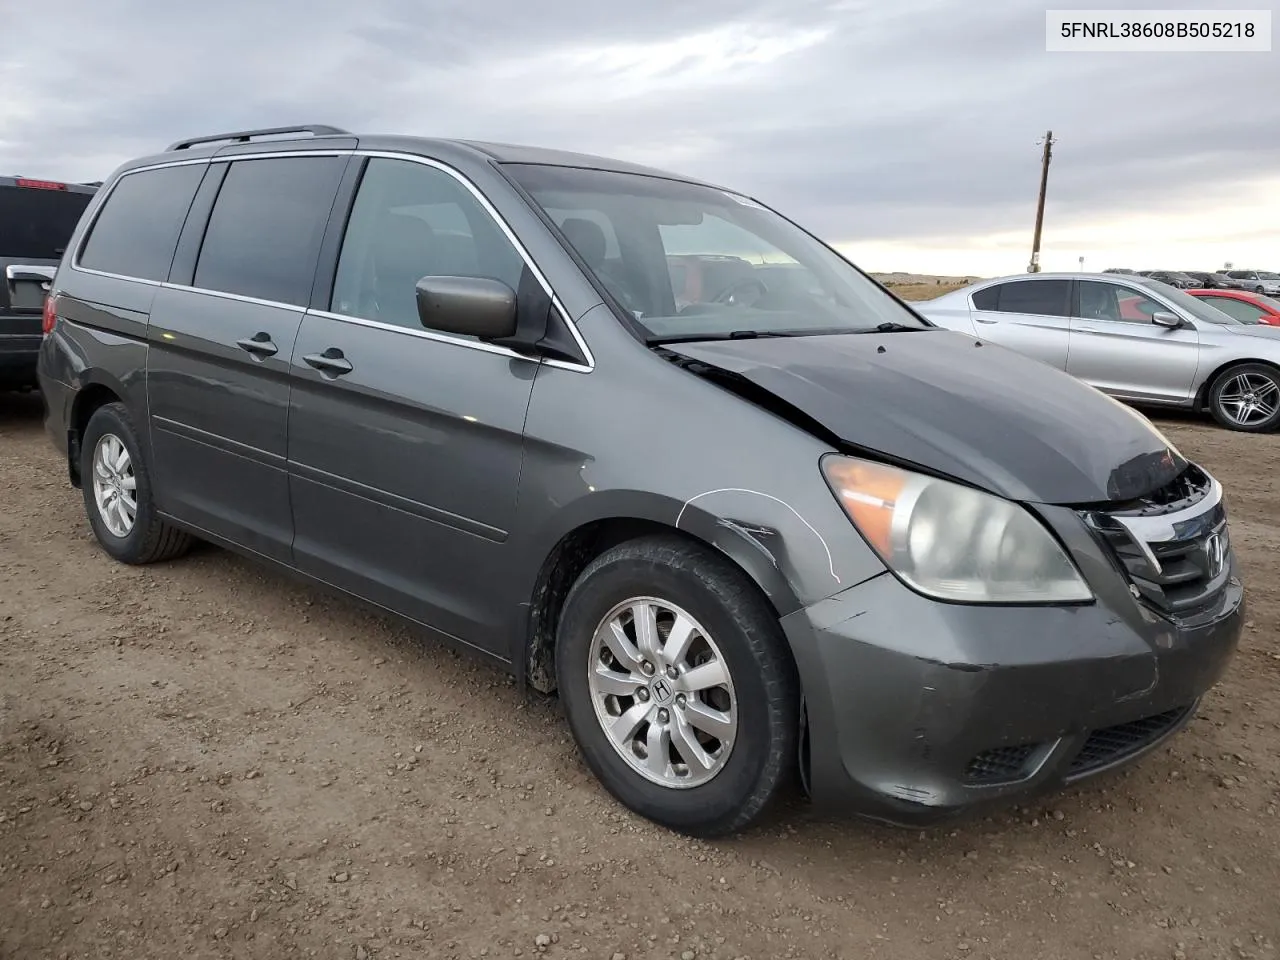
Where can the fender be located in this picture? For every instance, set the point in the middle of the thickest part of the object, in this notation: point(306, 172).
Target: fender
point(766, 537)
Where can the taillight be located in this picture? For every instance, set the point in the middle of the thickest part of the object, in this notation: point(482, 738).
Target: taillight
point(50, 315)
point(40, 184)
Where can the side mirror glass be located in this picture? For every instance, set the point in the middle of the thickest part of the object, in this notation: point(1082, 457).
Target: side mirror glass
point(1162, 318)
point(470, 306)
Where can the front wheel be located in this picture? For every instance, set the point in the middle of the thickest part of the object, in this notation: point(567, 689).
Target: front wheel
point(1246, 397)
point(678, 685)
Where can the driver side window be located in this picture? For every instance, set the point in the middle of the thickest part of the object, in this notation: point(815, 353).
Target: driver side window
point(411, 220)
point(1112, 302)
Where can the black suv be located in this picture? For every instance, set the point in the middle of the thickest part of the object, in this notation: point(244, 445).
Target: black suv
point(37, 218)
point(646, 443)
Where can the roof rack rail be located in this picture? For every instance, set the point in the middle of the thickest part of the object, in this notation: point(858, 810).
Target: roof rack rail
point(244, 136)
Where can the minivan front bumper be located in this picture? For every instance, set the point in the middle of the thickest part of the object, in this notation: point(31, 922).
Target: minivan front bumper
point(918, 711)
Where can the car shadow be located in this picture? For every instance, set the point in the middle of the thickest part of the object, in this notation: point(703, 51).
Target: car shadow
point(21, 408)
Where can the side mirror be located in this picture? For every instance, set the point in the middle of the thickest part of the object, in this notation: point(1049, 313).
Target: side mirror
point(1162, 318)
point(470, 306)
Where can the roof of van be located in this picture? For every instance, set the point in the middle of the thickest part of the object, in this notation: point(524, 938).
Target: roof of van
point(254, 141)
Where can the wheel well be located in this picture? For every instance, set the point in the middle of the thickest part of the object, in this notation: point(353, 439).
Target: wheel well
point(1202, 398)
point(560, 570)
point(87, 403)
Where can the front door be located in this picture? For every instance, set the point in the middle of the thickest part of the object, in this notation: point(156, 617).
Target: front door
point(1116, 348)
point(1029, 316)
point(220, 343)
point(405, 446)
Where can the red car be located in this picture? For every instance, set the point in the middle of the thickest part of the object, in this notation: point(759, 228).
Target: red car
point(1243, 306)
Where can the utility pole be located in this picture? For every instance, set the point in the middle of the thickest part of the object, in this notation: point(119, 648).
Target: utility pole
point(1048, 142)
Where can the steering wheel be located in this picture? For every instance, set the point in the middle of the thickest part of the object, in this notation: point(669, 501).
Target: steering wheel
point(734, 294)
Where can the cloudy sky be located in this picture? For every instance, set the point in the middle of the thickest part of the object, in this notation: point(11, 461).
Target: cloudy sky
point(904, 132)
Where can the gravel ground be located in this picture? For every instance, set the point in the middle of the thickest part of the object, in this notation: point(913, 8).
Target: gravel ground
point(205, 759)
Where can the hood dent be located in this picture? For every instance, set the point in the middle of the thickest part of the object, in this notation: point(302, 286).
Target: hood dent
point(939, 403)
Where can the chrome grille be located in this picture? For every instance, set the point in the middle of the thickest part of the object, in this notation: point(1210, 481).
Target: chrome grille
point(1173, 545)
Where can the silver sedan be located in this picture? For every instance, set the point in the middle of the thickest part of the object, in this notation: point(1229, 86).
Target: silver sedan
point(1132, 337)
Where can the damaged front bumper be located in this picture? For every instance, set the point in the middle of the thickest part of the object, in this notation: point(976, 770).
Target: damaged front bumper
point(918, 711)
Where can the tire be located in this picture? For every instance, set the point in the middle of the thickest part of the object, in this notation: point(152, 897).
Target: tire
point(1258, 380)
point(1259, 289)
point(147, 538)
point(743, 768)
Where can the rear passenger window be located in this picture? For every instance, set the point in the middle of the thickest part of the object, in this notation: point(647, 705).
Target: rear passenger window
point(410, 221)
point(988, 299)
point(265, 229)
point(137, 229)
point(1047, 298)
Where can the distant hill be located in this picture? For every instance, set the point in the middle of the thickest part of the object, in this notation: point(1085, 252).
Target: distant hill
point(898, 278)
point(921, 286)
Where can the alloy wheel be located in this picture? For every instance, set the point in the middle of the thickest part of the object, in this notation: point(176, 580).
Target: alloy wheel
point(1249, 399)
point(115, 485)
point(662, 692)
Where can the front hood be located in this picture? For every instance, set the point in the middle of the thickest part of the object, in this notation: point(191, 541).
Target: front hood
point(960, 408)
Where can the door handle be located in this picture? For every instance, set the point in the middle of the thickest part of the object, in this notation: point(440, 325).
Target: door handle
point(259, 345)
point(331, 361)
point(985, 320)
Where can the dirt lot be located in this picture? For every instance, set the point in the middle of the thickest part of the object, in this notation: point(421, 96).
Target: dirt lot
point(206, 760)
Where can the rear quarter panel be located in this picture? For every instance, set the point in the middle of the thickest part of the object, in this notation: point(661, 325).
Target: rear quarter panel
point(950, 311)
point(100, 339)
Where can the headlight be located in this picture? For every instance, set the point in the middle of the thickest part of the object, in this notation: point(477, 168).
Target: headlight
point(953, 542)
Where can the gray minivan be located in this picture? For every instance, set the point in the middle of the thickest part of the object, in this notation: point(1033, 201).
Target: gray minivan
point(647, 444)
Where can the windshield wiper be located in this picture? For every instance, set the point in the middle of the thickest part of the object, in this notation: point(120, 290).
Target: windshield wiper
point(732, 335)
point(890, 326)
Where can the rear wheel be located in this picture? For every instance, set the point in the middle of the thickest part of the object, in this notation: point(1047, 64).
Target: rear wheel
point(117, 491)
point(678, 685)
point(1246, 397)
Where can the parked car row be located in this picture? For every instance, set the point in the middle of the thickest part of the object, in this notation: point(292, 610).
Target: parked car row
point(1257, 281)
point(750, 517)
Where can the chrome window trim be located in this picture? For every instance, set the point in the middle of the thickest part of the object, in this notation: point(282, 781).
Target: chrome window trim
point(425, 334)
point(422, 334)
point(238, 297)
point(116, 276)
point(461, 178)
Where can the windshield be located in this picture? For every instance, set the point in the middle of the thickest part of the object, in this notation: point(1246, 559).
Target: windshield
point(1192, 305)
point(691, 261)
point(1268, 275)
